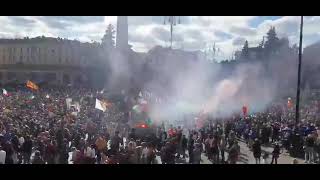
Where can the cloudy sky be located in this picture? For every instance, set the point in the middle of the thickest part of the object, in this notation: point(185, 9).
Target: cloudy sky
point(145, 32)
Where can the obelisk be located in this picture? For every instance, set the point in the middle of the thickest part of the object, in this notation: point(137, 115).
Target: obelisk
point(122, 33)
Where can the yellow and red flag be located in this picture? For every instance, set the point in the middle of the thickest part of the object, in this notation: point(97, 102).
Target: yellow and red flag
point(32, 85)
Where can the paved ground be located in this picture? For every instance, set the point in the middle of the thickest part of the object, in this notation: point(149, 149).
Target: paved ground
point(246, 157)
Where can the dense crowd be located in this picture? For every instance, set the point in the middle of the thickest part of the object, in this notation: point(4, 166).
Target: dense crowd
point(42, 128)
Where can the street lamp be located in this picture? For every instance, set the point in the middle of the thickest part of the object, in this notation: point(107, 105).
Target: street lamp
point(173, 21)
point(299, 74)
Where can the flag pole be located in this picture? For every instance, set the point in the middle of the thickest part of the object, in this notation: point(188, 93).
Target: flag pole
point(299, 73)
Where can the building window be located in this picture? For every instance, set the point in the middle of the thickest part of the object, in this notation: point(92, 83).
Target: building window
point(59, 60)
point(20, 50)
point(20, 58)
point(53, 51)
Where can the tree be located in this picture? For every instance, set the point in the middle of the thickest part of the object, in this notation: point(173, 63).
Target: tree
point(108, 39)
point(261, 43)
point(272, 43)
point(245, 51)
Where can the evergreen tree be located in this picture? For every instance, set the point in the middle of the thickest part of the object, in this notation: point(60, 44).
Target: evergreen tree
point(272, 43)
point(261, 43)
point(108, 39)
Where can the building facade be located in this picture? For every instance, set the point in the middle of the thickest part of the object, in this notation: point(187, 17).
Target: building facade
point(47, 60)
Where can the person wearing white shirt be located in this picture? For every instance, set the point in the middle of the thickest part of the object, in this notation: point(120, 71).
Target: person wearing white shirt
point(2, 156)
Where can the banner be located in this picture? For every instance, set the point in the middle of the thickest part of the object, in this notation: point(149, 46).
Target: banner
point(32, 85)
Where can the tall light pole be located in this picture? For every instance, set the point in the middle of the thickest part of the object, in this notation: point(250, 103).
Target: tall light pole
point(172, 20)
point(299, 74)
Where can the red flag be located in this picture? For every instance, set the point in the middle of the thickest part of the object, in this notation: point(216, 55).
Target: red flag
point(290, 103)
point(245, 110)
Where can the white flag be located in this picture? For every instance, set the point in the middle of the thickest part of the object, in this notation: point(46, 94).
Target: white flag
point(77, 106)
point(140, 94)
point(68, 102)
point(100, 105)
point(5, 92)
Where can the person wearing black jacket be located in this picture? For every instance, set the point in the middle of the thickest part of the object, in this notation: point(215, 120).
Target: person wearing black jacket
point(115, 143)
point(27, 149)
point(275, 153)
point(190, 148)
point(184, 145)
point(256, 148)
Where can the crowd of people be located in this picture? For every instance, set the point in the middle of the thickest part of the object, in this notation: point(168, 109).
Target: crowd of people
point(277, 127)
point(42, 128)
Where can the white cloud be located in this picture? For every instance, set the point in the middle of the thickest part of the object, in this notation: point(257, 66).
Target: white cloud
point(145, 32)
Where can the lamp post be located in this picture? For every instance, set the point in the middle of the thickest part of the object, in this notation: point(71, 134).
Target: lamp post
point(173, 21)
point(299, 74)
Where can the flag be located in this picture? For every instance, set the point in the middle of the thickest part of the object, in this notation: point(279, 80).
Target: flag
point(100, 105)
point(290, 103)
point(140, 94)
point(245, 110)
point(76, 105)
point(149, 122)
point(47, 96)
point(32, 85)
point(5, 92)
point(68, 102)
point(137, 108)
